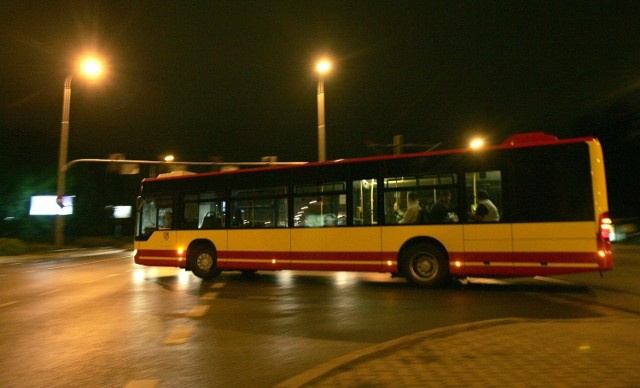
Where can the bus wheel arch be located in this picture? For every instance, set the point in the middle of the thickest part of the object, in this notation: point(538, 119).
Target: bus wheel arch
point(424, 262)
point(202, 258)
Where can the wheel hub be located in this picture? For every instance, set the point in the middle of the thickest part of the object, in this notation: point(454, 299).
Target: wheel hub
point(425, 266)
point(204, 262)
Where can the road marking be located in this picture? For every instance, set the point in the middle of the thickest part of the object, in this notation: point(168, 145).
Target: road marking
point(218, 285)
point(178, 336)
point(486, 281)
point(8, 303)
point(209, 296)
point(552, 280)
point(74, 265)
point(51, 292)
point(112, 275)
point(198, 311)
point(142, 384)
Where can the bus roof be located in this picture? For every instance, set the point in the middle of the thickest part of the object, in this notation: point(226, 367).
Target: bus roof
point(520, 140)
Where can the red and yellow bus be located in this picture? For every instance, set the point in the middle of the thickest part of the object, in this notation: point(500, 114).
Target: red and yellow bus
point(413, 215)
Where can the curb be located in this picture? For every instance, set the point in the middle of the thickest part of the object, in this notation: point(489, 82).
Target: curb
point(320, 371)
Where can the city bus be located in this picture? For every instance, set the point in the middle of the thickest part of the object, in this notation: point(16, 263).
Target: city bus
point(549, 198)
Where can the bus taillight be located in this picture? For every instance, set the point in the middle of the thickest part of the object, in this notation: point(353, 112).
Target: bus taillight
point(605, 227)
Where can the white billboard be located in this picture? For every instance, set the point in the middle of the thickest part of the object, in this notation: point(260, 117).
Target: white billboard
point(47, 205)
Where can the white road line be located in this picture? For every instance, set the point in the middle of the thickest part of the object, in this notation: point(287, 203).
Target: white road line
point(209, 296)
point(178, 336)
point(112, 275)
point(197, 311)
point(218, 285)
point(76, 264)
point(142, 384)
point(552, 280)
point(50, 292)
point(8, 303)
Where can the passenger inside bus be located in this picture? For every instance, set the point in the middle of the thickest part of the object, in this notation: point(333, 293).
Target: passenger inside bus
point(485, 211)
point(412, 215)
point(442, 212)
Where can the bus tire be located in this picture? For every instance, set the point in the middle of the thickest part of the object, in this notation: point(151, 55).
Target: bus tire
point(425, 265)
point(204, 263)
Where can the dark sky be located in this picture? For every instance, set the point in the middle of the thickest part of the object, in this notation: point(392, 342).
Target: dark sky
point(235, 78)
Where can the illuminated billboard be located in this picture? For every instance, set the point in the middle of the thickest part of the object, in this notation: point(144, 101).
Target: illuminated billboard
point(47, 205)
point(122, 212)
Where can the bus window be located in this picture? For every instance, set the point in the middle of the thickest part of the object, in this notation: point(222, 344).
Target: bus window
point(212, 215)
point(484, 196)
point(262, 207)
point(364, 202)
point(203, 211)
point(421, 199)
point(319, 211)
point(154, 213)
point(259, 213)
point(319, 205)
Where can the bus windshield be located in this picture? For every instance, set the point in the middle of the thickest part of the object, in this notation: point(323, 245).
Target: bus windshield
point(153, 213)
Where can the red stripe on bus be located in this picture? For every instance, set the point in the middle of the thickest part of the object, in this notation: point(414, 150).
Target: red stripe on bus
point(461, 264)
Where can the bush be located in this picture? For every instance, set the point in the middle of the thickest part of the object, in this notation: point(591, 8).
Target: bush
point(12, 247)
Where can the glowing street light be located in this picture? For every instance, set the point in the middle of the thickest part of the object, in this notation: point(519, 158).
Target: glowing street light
point(476, 143)
point(322, 67)
point(91, 68)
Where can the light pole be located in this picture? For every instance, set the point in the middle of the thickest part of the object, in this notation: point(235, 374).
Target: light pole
point(90, 68)
point(322, 68)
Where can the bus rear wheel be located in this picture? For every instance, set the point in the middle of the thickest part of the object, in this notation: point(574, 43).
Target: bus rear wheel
point(425, 265)
point(204, 263)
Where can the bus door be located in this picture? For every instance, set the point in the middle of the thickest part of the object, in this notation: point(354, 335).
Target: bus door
point(259, 234)
point(154, 228)
point(488, 243)
point(324, 239)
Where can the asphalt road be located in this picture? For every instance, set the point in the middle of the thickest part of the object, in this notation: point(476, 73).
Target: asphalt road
point(100, 320)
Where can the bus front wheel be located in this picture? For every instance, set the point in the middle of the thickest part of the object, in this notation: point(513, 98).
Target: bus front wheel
point(204, 263)
point(425, 265)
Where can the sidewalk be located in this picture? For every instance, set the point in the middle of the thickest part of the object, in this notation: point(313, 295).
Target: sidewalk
point(497, 353)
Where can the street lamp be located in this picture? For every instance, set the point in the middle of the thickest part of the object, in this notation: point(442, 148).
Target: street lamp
point(91, 68)
point(476, 143)
point(322, 68)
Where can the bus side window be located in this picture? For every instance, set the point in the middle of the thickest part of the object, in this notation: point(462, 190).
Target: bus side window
point(364, 201)
point(320, 211)
point(484, 196)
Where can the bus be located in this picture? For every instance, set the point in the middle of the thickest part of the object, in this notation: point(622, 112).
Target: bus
point(549, 202)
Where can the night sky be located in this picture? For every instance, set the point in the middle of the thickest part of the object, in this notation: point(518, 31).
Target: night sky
point(235, 78)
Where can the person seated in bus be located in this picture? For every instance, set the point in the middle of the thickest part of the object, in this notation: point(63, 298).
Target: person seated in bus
point(441, 211)
point(397, 214)
point(485, 211)
point(412, 215)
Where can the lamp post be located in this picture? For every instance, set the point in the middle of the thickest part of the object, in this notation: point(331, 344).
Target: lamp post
point(322, 68)
point(90, 68)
